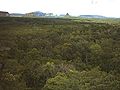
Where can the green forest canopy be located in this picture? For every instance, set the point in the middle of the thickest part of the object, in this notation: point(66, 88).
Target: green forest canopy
point(59, 54)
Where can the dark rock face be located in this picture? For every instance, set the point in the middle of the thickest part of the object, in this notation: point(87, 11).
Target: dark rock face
point(4, 14)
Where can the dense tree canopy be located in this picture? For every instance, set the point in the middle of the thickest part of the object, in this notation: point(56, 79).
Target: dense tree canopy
point(59, 54)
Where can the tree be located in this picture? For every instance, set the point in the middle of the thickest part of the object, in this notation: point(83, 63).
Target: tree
point(85, 80)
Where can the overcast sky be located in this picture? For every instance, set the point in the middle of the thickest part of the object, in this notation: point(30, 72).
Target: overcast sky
point(73, 7)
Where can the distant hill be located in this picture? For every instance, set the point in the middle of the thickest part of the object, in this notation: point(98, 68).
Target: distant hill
point(65, 15)
point(62, 15)
point(92, 16)
point(35, 14)
point(38, 13)
point(16, 14)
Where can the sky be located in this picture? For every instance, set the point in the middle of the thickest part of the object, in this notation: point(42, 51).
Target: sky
point(108, 8)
